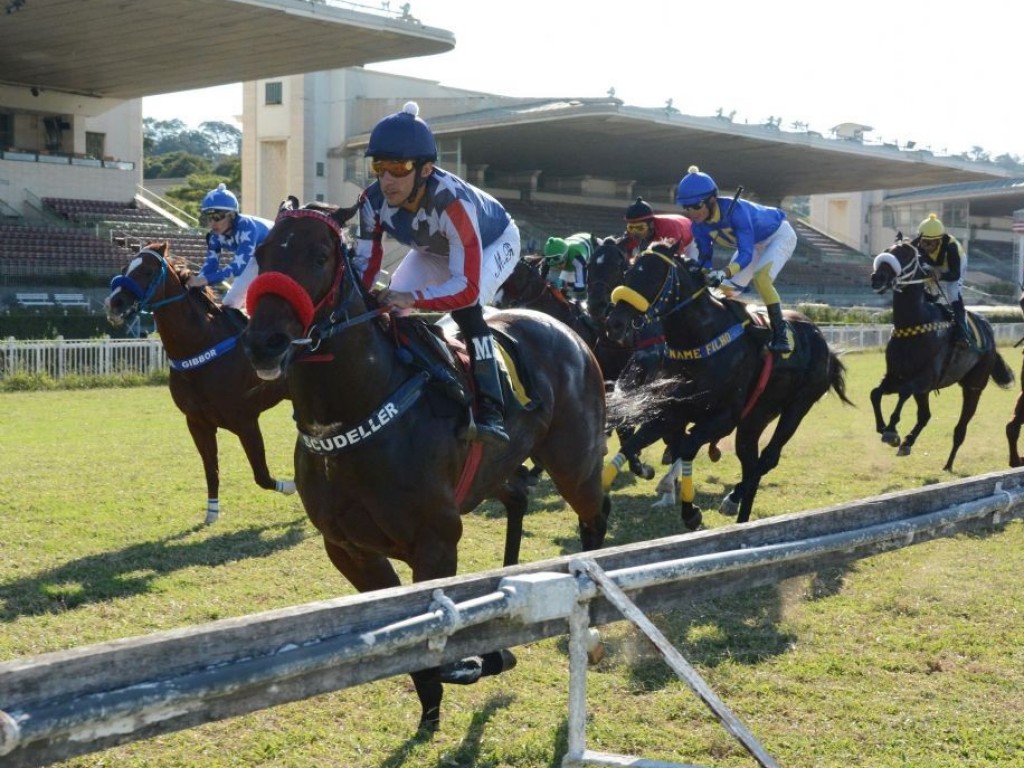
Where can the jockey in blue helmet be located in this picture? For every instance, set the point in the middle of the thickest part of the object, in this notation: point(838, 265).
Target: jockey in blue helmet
point(229, 231)
point(762, 237)
point(463, 246)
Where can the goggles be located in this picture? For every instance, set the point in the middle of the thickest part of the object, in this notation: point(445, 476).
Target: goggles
point(637, 228)
point(930, 243)
point(397, 168)
point(215, 216)
point(696, 206)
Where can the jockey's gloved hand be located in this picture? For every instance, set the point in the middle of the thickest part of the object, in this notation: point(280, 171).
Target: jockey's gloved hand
point(716, 277)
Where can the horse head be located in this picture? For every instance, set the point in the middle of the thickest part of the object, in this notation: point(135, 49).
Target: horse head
point(525, 285)
point(148, 281)
point(898, 265)
point(605, 272)
point(657, 285)
point(304, 269)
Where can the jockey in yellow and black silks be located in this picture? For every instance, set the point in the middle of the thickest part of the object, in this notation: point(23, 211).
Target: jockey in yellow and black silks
point(947, 259)
point(763, 239)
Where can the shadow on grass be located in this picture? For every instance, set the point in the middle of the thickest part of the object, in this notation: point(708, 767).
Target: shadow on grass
point(130, 571)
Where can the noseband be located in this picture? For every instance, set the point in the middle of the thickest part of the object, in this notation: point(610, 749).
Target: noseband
point(143, 298)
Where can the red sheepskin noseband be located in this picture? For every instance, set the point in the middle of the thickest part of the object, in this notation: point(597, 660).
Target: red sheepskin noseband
point(280, 284)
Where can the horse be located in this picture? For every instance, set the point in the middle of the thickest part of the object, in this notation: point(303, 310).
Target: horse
point(365, 410)
point(724, 377)
point(922, 356)
point(211, 380)
point(1014, 424)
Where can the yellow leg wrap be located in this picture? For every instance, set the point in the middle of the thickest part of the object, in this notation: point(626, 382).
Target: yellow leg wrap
point(686, 492)
point(611, 470)
point(765, 287)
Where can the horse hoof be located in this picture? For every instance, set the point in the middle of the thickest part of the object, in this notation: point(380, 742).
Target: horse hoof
point(903, 451)
point(211, 517)
point(714, 452)
point(463, 672)
point(287, 487)
point(729, 507)
point(665, 500)
point(891, 438)
point(595, 647)
point(693, 520)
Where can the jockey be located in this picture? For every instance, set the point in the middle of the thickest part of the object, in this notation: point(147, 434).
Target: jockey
point(568, 257)
point(947, 259)
point(762, 237)
point(463, 246)
point(231, 231)
point(644, 227)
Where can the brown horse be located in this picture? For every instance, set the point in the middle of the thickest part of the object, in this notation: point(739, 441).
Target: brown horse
point(211, 381)
point(366, 412)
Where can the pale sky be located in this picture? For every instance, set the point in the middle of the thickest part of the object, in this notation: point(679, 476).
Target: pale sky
point(938, 73)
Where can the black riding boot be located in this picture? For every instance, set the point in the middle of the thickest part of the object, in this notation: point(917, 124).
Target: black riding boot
point(780, 341)
point(490, 404)
point(960, 337)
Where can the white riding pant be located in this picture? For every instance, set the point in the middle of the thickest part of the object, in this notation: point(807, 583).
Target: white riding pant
point(235, 297)
point(419, 269)
point(772, 252)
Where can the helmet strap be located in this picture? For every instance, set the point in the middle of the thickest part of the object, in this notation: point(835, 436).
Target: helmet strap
point(419, 186)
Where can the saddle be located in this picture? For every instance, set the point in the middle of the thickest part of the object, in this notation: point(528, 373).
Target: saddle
point(445, 359)
point(761, 331)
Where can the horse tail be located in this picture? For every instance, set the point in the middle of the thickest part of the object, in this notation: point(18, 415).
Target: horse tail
point(1001, 373)
point(837, 377)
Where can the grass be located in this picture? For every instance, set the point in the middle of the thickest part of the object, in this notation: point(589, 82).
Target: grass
point(910, 658)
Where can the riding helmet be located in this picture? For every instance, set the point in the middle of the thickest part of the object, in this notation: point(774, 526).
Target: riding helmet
point(555, 249)
point(219, 199)
point(403, 136)
point(639, 211)
point(695, 187)
point(931, 227)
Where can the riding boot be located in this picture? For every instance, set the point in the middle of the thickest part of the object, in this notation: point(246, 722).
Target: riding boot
point(780, 341)
point(490, 404)
point(960, 337)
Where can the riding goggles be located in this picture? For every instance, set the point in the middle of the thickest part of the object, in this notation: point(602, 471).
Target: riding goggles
point(696, 206)
point(215, 216)
point(639, 228)
point(397, 168)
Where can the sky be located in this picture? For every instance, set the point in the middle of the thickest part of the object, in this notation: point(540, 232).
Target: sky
point(939, 74)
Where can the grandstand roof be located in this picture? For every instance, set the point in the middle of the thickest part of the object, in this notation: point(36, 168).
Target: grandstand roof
point(125, 50)
point(987, 198)
point(580, 137)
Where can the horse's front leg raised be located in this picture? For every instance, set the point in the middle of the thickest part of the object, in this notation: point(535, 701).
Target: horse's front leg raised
point(888, 431)
point(204, 436)
point(251, 439)
point(924, 415)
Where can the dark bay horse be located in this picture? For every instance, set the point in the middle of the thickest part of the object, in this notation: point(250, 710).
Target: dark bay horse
point(211, 380)
point(1014, 424)
point(367, 413)
point(921, 356)
point(724, 377)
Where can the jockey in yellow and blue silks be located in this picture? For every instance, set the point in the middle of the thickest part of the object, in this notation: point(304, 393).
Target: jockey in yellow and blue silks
point(566, 261)
point(947, 259)
point(762, 237)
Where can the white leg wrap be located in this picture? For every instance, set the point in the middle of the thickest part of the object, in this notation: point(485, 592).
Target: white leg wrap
point(212, 510)
point(287, 487)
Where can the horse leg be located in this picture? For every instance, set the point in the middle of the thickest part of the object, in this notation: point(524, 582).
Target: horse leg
point(924, 415)
point(969, 406)
point(1013, 430)
point(515, 498)
point(367, 572)
point(204, 436)
point(251, 439)
point(636, 465)
point(888, 431)
point(750, 478)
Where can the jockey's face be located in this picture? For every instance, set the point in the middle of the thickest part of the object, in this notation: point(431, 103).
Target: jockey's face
point(397, 189)
point(701, 211)
point(637, 230)
point(930, 245)
point(220, 222)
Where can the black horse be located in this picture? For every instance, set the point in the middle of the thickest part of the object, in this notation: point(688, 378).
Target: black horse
point(378, 465)
point(922, 357)
point(1014, 424)
point(724, 377)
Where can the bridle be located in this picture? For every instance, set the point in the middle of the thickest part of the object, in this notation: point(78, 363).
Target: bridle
point(669, 298)
point(144, 297)
point(903, 274)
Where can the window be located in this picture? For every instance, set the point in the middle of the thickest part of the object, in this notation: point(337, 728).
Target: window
point(95, 144)
point(319, 197)
point(273, 93)
point(320, 169)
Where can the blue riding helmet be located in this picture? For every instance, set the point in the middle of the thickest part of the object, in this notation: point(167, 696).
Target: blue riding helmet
point(695, 187)
point(402, 136)
point(219, 199)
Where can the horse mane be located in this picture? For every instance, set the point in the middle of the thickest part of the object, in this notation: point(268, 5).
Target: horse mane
point(183, 272)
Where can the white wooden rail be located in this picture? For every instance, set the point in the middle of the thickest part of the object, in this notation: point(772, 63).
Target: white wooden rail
point(58, 705)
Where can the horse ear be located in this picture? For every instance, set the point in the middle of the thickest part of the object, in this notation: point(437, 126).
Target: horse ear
point(290, 203)
point(899, 237)
point(342, 215)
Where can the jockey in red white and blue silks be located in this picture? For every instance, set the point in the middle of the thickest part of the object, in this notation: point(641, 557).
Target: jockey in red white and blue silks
point(464, 244)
